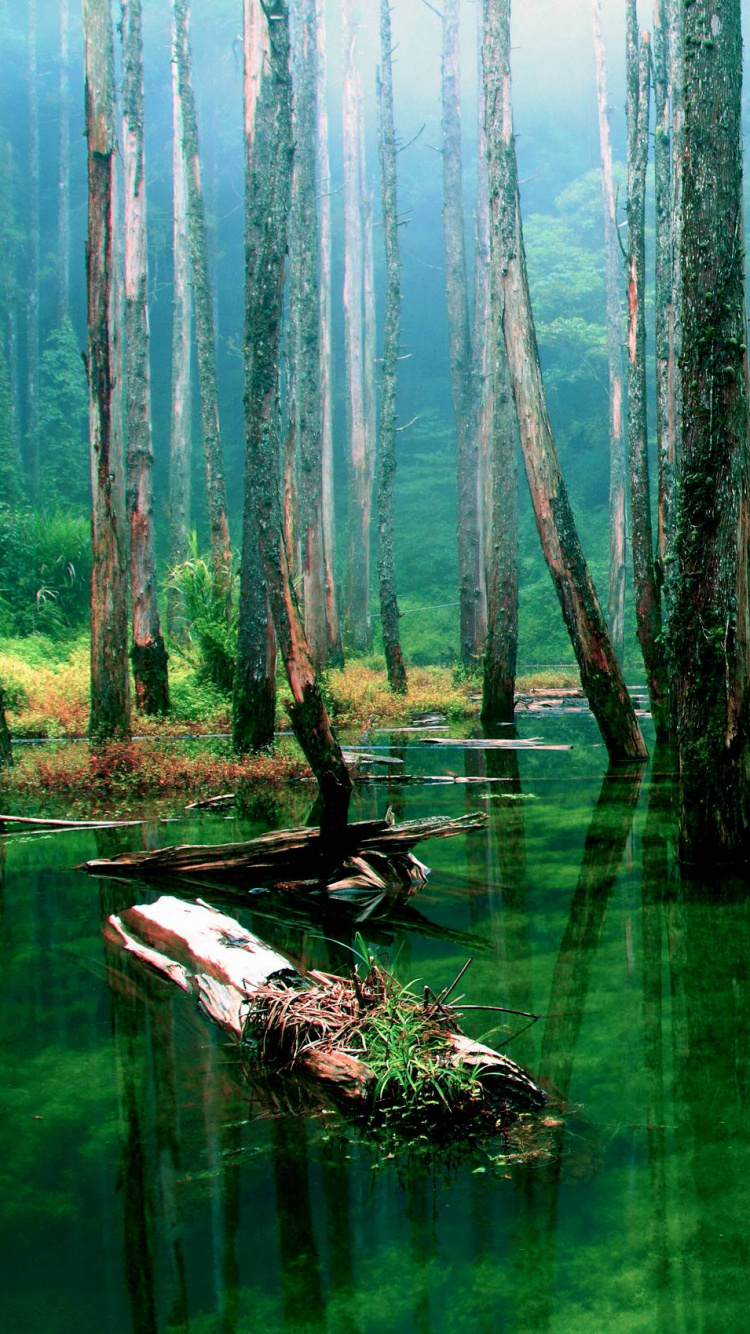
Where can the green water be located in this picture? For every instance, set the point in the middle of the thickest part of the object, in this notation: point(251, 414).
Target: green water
point(144, 1188)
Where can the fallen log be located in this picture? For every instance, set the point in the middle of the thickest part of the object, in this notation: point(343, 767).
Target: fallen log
point(323, 1026)
point(482, 743)
point(38, 822)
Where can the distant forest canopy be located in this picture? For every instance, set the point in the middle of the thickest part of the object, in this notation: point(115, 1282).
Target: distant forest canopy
point(558, 149)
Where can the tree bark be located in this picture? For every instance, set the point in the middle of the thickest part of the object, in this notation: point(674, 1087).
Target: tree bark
point(254, 699)
point(360, 472)
point(323, 172)
point(664, 295)
point(647, 596)
point(63, 188)
point(617, 465)
point(462, 377)
point(32, 278)
point(203, 306)
point(181, 420)
point(148, 654)
point(110, 687)
point(480, 338)
point(6, 750)
point(600, 673)
point(710, 630)
point(303, 250)
point(389, 615)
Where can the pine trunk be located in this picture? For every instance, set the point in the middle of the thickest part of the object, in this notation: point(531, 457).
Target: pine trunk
point(269, 170)
point(394, 658)
point(462, 378)
point(710, 628)
point(617, 465)
point(6, 749)
point(110, 686)
point(254, 700)
point(148, 654)
point(32, 290)
point(360, 493)
point(63, 187)
point(647, 596)
point(333, 627)
point(600, 673)
point(203, 305)
point(181, 421)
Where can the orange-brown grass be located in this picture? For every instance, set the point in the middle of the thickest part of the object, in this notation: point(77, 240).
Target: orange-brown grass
point(361, 689)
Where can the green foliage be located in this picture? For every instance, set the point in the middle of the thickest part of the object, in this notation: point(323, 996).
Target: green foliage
point(10, 466)
point(201, 618)
point(63, 429)
point(45, 570)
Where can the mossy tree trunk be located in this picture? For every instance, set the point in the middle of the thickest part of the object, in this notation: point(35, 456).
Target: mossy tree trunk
point(600, 673)
point(181, 421)
point(710, 629)
point(33, 255)
point(480, 339)
point(389, 614)
point(647, 594)
point(664, 312)
point(149, 654)
point(63, 171)
point(617, 465)
point(205, 334)
point(6, 750)
point(110, 686)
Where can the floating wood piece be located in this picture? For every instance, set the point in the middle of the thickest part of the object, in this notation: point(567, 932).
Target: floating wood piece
point(353, 755)
point(218, 803)
point(420, 727)
point(315, 1021)
point(533, 743)
point(40, 823)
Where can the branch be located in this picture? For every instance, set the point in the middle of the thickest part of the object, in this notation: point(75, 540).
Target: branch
point(434, 10)
point(406, 425)
point(404, 147)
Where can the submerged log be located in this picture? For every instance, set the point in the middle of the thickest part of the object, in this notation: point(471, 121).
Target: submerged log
point(314, 1025)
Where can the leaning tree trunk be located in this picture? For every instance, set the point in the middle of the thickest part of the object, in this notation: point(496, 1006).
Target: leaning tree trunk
point(394, 658)
point(647, 596)
point(63, 178)
point(268, 200)
point(148, 653)
point(600, 673)
point(462, 378)
point(254, 700)
point(710, 629)
point(110, 689)
point(181, 420)
point(303, 251)
point(32, 275)
point(204, 312)
point(617, 465)
point(360, 498)
point(333, 628)
point(6, 750)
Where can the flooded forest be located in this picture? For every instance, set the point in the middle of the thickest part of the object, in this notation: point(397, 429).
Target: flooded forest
point(374, 667)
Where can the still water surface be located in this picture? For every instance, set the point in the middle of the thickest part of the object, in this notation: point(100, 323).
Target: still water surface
point(144, 1188)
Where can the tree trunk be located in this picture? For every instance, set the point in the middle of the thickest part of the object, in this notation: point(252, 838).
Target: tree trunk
point(600, 674)
point(481, 352)
point(710, 628)
point(6, 750)
point(181, 420)
point(110, 687)
point(462, 377)
point(303, 250)
point(254, 699)
point(148, 653)
point(617, 466)
point(204, 313)
point(63, 188)
point(387, 438)
point(32, 277)
point(268, 200)
point(360, 497)
point(647, 597)
point(333, 628)
point(664, 295)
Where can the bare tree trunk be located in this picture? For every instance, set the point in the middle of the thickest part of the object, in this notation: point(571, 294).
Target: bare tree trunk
point(110, 687)
point(303, 249)
point(676, 74)
point(333, 627)
point(254, 700)
point(360, 497)
point(617, 466)
point(63, 188)
point(32, 278)
point(181, 421)
point(269, 168)
point(148, 653)
point(6, 749)
point(664, 296)
point(647, 597)
point(480, 338)
point(462, 378)
point(204, 312)
point(710, 630)
point(387, 439)
point(600, 673)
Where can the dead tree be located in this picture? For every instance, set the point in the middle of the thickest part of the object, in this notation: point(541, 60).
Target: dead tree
point(32, 276)
point(149, 656)
point(181, 420)
point(269, 168)
point(110, 687)
point(600, 673)
point(710, 623)
point(63, 170)
point(617, 464)
point(6, 749)
point(203, 304)
point(664, 314)
point(647, 596)
point(480, 339)
point(386, 467)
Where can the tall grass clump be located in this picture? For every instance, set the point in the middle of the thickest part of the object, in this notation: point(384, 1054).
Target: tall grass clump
point(200, 619)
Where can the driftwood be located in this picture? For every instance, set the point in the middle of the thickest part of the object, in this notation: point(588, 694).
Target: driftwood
point(313, 1025)
point(481, 743)
point(37, 822)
